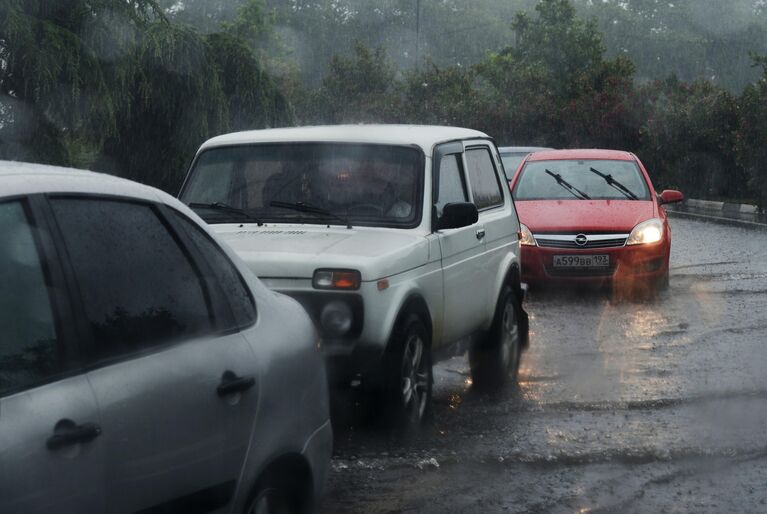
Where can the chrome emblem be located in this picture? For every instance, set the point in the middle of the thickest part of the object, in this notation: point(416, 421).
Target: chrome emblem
point(581, 240)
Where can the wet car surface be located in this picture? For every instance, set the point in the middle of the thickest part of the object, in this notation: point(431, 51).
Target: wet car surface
point(655, 405)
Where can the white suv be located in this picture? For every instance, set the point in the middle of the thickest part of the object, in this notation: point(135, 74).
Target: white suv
point(400, 241)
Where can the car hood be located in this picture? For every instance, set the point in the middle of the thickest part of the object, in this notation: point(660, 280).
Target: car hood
point(295, 251)
point(584, 215)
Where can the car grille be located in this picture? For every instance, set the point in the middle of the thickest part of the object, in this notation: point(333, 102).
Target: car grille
point(593, 241)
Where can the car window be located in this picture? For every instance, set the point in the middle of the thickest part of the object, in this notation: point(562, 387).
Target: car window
point(138, 288)
point(451, 182)
point(485, 187)
point(28, 336)
point(225, 273)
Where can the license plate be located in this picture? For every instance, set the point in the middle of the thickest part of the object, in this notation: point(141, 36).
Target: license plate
point(582, 261)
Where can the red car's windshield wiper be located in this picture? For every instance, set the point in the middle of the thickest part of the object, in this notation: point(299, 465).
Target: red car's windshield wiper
point(615, 184)
point(580, 195)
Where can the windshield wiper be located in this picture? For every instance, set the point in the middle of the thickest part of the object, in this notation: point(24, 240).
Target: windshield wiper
point(310, 209)
point(221, 206)
point(615, 184)
point(580, 195)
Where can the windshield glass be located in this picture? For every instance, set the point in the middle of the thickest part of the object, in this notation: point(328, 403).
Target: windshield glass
point(371, 185)
point(511, 163)
point(535, 184)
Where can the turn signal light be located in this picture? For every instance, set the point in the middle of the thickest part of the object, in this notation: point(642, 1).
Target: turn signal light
point(348, 280)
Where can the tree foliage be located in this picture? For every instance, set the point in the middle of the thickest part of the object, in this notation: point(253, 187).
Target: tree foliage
point(134, 86)
point(114, 85)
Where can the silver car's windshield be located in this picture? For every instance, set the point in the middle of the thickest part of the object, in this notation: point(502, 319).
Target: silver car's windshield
point(511, 162)
point(374, 185)
point(535, 184)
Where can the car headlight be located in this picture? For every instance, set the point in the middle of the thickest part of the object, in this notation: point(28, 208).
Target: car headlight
point(343, 279)
point(525, 236)
point(336, 318)
point(647, 232)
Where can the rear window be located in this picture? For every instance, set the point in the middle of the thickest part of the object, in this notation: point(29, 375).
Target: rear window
point(549, 180)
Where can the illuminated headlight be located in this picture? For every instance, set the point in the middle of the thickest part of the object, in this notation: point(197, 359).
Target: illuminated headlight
point(525, 236)
point(336, 318)
point(647, 232)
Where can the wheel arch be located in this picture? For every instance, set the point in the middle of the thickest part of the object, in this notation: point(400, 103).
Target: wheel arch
point(290, 467)
point(513, 278)
point(414, 303)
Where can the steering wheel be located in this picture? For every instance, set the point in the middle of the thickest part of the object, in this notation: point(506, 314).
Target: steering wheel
point(371, 208)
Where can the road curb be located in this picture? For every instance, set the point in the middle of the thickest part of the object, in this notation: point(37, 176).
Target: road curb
point(718, 219)
point(724, 207)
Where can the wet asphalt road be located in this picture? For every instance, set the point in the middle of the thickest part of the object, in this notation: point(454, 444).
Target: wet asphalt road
point(622, 406)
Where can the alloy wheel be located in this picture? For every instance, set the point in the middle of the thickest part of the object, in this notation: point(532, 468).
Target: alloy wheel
point(415, 378)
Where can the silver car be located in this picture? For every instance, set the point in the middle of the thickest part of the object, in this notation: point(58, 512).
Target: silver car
point(143, 368)
point(512, 157)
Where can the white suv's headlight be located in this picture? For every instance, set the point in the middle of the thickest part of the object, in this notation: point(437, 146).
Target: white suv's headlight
point(647, 232)
point(525, 236)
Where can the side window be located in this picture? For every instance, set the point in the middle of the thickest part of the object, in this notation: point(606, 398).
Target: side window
point(225, 273)
point(138, 287)
point(483, 179)
point(28, 338)
point(451, 186)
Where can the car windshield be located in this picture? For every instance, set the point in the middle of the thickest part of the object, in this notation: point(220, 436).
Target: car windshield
point(372, 185)
point(536, 184)
point(511, 162)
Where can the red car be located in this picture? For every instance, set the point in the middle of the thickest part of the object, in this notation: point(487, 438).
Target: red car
point(591, 216)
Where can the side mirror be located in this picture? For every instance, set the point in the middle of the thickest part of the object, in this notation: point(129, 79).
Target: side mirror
point(458, 215)
point(671, 196)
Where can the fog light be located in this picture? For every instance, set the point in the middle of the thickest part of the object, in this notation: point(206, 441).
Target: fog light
point(336, 318)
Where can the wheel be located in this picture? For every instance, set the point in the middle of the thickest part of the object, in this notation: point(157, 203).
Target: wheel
point(408, 369)
point(495, 360)
point(279, 493)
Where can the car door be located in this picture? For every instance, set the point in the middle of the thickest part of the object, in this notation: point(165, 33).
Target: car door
point(174, 380)
point(51, 452)
point(493, 201)
point(462, 249)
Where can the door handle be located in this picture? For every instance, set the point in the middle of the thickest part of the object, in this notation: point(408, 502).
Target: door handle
point(231, 383)
point(480, 233)
point(66, 433)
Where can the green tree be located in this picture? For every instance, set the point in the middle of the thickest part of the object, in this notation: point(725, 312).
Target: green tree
point(65, 74)
point(114, 85)
point(752, 134)
point(357, 89)
point(687, 137)
point(554, 83)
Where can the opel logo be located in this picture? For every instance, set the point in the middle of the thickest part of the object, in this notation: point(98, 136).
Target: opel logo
point(581, 240)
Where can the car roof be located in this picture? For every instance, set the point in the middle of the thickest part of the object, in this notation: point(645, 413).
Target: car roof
point(521, 149)
point(424, 136)
point(23, 178)
point(582, 154)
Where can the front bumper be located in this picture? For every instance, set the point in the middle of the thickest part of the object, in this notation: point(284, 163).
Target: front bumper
point(627, 263)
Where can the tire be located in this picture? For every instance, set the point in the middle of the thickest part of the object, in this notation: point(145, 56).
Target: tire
point(495, 360)
point(279, 494)
point(408, 374)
